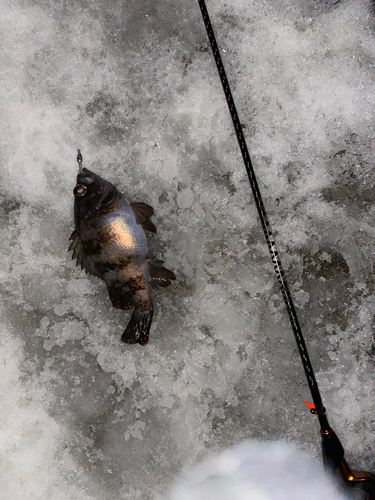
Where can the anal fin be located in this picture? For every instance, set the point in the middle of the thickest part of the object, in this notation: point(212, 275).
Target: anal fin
point(159, 275)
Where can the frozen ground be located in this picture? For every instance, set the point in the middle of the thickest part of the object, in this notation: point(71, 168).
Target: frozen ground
point(133, 84)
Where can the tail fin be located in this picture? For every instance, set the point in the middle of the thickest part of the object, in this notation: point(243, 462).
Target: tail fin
point(138, 328)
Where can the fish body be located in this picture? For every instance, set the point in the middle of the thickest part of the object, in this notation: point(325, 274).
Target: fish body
point(109, 242)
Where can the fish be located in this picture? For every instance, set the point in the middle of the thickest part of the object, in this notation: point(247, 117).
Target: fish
point(109, 242)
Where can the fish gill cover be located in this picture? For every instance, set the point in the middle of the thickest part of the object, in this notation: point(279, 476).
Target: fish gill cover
point(134, 86)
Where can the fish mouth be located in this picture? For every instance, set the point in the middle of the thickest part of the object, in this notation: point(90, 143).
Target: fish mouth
point(85, 177)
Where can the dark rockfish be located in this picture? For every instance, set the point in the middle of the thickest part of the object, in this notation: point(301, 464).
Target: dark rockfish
point(109, 242)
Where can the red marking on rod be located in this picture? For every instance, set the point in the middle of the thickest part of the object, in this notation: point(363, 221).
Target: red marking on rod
point(310, 405)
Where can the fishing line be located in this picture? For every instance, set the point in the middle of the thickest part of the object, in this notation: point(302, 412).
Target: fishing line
point(79, 161)
point(333, 452)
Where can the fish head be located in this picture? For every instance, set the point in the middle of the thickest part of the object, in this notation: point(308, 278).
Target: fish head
point(93, 195)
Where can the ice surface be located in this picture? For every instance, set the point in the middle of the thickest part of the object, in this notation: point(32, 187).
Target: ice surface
point(134, 86)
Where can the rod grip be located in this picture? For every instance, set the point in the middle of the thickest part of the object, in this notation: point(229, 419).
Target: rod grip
point(333, 451)
point(358, 482)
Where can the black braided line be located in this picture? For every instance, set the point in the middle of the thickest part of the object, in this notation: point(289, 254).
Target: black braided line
point(313, 385)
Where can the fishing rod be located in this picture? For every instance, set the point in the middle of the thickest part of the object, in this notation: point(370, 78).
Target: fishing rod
point(332, 449)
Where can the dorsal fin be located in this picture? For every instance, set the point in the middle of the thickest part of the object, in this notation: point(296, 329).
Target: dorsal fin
point(142, 214)
point(80, 255)
point(159, 275)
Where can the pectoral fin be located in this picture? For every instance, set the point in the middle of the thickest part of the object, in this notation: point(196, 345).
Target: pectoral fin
point(142, 214)
point(81, 256)
point(159, 275)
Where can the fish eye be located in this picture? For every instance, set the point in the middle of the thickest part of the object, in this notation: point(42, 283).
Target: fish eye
point(79, 191)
